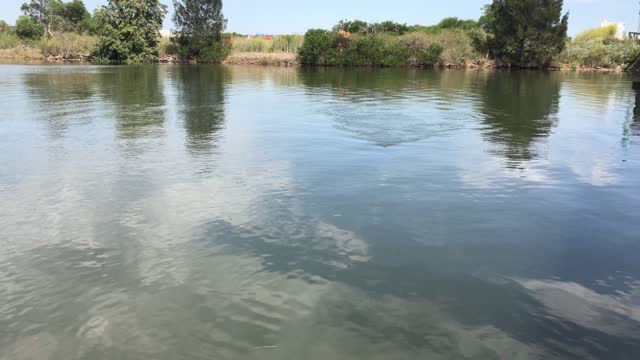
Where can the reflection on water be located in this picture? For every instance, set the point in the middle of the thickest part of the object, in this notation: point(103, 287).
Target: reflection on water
point(208, 212)
point(519, 110)
point(201, 94)
point(137, 95)
point(635, 125)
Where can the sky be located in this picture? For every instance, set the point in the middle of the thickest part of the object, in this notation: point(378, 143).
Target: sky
point(293, 16)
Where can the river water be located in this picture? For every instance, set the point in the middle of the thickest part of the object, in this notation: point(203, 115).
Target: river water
point(210, 212)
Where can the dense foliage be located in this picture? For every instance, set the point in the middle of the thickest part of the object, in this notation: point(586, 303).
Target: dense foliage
point(357, 43)
point(361, 27)
point(526, 33)
point(58, 16)
point(26, 28)
point(129, 30)
point(323, 47)
point(70, 16)
point(199, 26)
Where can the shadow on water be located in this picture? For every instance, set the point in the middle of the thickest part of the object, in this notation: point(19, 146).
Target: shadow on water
point(201, 101)
point(519, 110)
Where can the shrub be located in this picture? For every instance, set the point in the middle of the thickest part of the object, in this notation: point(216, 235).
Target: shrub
point(216, 52)
point(420, 49)
point(318, 48)
point(28, 29)
point(457, 47)
point(366, 50)
point(167, 47)
point(450, 43)
point(623, 52)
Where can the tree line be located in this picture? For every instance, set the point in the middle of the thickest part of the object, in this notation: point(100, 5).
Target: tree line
point(520, 33)
point(128, 31)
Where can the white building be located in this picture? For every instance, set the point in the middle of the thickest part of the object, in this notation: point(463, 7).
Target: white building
point(620, 34)
point(165, 33)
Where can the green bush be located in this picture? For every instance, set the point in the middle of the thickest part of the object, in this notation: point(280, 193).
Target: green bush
point(28, 29)
point(444, 48)
point(457, 47)
point(217, 52)
point(167, 47)
point(623, 52)
point(420, 49)
point(319, 48)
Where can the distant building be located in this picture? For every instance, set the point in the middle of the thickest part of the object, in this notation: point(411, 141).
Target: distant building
point(165, 33)
point(620, 34)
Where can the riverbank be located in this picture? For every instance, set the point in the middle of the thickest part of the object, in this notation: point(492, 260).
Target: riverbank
point(256, 58)
point(280, 60)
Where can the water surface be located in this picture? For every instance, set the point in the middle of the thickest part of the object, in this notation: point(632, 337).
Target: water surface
point(210, 212)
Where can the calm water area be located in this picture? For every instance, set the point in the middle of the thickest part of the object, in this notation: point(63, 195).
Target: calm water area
point(230, 212)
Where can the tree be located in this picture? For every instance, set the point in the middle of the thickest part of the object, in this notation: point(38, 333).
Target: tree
point(69, 16)
point(199, 26)
point(26, 28)
point(525, 33)
point(74, 15)
point(129, 31)
point(37, 10)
